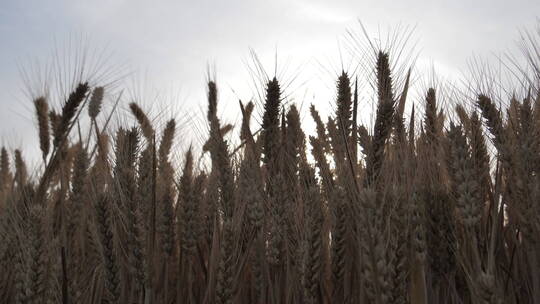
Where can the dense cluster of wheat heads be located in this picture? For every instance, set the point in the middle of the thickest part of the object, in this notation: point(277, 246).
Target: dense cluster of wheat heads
point(415, 211)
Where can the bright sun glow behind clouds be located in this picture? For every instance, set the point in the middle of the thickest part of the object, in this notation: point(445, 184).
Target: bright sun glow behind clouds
point(322, 12)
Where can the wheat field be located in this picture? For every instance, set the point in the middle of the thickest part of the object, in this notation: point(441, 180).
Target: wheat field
point(435, 205)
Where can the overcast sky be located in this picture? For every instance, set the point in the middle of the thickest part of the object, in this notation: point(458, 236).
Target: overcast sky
point(166, 46)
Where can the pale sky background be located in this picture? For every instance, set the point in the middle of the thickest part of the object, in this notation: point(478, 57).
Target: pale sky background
point(166, 46)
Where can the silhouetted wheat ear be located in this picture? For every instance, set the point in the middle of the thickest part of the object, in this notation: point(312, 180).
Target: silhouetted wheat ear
point(144, 122)
point(383, 118)
point(167, 140)
point(344, 103)
point(220, 155)
point(105, 228)
point(94, 106)
point(69, 110)
point(462, 173)
point(225, 287)
point(270, 124)
point(21, 171)
point(42, 111)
